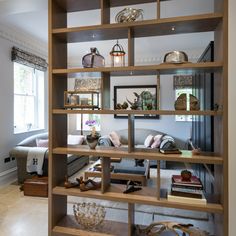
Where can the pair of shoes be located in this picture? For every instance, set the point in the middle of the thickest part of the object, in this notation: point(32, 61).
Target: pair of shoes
point(132, 187)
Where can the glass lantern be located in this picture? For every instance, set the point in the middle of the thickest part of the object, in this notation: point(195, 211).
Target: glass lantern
point(93, 59)
point(117, 55)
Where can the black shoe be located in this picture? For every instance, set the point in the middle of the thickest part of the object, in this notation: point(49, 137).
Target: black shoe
point(131, 189)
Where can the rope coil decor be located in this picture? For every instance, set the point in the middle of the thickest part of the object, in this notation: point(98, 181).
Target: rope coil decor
point(129, 15)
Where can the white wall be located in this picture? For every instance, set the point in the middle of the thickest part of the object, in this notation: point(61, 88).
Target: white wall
point(7, 137)
point(166, 124)
point(232, 118)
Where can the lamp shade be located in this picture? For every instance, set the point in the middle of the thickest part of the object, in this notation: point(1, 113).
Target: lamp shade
point(117, 55)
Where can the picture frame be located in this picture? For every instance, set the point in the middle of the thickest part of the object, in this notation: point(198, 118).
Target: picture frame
point(138, 97)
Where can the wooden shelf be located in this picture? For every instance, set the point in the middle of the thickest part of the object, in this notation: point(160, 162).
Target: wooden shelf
point(138, 153)
point(83, 5)
point(69, 226)
point(138, 112)
point(146, 196)
point(145, 28)
point(81, 107)
point(162, 69)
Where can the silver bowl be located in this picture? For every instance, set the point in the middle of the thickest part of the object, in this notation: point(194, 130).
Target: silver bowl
point(175, 57)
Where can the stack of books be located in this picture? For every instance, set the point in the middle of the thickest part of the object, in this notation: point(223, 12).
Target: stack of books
point(186, 191)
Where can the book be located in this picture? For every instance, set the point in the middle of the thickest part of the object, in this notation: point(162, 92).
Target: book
point(186, 192)
point(185, 186)
point(188, 200)
point(194, 182)
point(170, 151)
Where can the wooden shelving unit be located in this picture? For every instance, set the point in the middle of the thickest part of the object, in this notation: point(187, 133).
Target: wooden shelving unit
point(139, 112)
point(59, 36)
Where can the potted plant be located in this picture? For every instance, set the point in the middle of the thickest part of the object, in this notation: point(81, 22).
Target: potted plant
point(92, 138)
point(186, 175)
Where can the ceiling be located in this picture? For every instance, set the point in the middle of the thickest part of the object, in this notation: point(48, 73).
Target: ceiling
point(27, 16)
point(30, 17)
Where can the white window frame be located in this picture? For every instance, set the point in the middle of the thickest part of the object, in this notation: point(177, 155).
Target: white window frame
point(39, 103)
point(188, 91)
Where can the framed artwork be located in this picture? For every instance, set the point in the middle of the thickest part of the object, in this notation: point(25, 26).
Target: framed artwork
point(139, 97)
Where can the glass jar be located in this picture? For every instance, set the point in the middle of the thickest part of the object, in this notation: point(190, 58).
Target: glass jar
point(93, 59)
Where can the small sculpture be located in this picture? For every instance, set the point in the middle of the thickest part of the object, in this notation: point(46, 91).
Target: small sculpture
point(156, 229)
point(137, 104)
point(132, 186)
point(181, 102)
point(122, 106)
point(128, 15)
point(84, 185)
point(69, 184)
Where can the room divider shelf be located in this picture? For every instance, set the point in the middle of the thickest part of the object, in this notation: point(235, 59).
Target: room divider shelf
point(161, 69)
point(146, 196)
point(145, 28)
point(60, 35)
point(186, 156)
point(139, 112)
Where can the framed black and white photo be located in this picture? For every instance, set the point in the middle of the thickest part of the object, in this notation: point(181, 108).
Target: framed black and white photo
point(138, 97)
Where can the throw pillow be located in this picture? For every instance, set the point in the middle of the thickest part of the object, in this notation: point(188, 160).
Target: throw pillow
point(168, 143)
point(115, 139)
point(75, 139)
point(149, 140)
point(42, 142)
point(157, 141)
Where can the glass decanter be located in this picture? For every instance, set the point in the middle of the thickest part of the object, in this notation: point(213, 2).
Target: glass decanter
point(93, 59)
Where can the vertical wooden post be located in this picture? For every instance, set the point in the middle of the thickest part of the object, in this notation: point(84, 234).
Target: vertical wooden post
point(131, 219)
point(221, 185)
point(105, 91)
point(131, 135)
point(57, 17)
point(158, 180)
point(130, 47)
point(158, 9)
point(158, 104)
point(106, 174)
point(105, 11)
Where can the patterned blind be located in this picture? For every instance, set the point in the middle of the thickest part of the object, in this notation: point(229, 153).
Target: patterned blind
point(183, 81)
point(28, 59)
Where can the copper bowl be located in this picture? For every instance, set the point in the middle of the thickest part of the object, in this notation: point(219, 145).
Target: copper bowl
point(176, 57)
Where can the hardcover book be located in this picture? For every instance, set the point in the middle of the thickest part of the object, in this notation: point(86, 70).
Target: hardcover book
point(188, 200)
point(194, 182)
point(186, 192)
point(173, 151)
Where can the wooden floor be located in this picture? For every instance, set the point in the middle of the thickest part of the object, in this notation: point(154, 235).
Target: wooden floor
point(21, 215)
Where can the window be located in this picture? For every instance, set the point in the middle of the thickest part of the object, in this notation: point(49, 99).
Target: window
point(28, 98)
point(178, 92)
point(81, 124)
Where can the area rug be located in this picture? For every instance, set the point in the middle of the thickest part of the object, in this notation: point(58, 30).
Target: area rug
point(159, 211)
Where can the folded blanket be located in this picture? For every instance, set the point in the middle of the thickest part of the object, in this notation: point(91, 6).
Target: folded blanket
point(35, 160)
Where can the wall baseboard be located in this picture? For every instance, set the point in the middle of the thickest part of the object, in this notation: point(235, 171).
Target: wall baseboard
point(8, 176)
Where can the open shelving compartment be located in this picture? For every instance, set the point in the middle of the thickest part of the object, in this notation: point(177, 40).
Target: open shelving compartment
point(59, 36)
